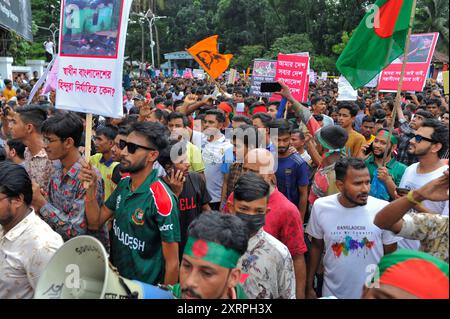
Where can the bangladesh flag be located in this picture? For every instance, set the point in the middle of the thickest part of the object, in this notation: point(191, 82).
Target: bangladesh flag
point(379, 39)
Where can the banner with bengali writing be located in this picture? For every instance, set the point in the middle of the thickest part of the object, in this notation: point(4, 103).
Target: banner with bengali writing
point(293, 69)
point(263, 71)
point(91, 49)
point(419, 57)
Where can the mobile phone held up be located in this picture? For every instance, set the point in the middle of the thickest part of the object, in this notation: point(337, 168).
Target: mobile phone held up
point(270, 87)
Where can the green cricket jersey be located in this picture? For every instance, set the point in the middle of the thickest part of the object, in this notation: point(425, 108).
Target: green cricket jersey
point(395, 168)
point(143, 219)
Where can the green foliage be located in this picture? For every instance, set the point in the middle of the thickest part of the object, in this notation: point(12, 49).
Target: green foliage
point(432, 16)
point(338, 48)
point(246, 28)
point(290, 44)
point(246, 55)
point(321, 63)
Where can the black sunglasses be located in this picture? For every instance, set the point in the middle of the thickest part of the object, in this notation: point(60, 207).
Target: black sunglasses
point(132, 148)
point(420, 138)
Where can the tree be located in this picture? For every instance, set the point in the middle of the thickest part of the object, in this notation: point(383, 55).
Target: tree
point(323, 63)
point(338, 48)
point(246, 56)
point(293, 43)
point(432, 16)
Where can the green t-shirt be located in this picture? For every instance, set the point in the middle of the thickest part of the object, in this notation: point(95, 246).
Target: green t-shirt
point(395, 168)
point(142, 221)
point(176, 290)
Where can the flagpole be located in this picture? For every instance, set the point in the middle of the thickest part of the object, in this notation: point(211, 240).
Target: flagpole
point(400, 83)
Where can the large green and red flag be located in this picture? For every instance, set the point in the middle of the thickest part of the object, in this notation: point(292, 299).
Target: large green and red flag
point(379, 39)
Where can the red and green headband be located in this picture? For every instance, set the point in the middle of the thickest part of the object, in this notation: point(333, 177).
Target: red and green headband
point(385, 134)
point(416, 272)
point(212, 252)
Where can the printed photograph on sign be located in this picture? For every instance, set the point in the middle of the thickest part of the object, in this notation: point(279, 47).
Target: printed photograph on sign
point(420, 48)
point(91, 28)
point(265, 68)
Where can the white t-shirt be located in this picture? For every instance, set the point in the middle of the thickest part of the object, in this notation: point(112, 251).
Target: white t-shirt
point(353, 244)
point(49, 46)
point(412, 180)
point(213, 153)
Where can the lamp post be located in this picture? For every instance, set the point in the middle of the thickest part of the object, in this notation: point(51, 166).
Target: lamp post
point(151, 22)
point(141, 23)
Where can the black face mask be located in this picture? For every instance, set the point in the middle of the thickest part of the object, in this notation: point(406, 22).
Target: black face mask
point(253, 222)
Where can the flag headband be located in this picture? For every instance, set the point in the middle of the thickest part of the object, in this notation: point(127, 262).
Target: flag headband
point(330, 149)
point(394, 139)
point(212, 252)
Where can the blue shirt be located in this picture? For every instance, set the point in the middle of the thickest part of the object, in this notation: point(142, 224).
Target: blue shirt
point(292, 173)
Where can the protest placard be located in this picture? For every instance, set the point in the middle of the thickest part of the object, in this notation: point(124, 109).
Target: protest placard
point(232, 76)
point(346, 91)
point(312, 76)
point(91, 57)
point(263, 71)
point(324, 76)
point(199, 74)
point(418, 62)
point(292, 69)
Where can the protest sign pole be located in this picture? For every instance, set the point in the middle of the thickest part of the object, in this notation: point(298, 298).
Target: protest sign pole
point(87, 142)
point(400, 83)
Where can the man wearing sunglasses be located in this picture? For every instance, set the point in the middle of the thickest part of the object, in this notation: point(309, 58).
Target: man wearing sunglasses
point(145, 212)
point(429, 144)
point(407, 129)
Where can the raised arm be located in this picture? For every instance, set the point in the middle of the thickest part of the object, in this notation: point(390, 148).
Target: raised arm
point(390, 217)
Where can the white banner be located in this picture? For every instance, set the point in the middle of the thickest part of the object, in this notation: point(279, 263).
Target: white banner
point(346, 91)
point(91, 50)
point(373, 83)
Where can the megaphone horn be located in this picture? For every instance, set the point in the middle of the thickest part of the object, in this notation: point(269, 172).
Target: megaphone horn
point(80, 269)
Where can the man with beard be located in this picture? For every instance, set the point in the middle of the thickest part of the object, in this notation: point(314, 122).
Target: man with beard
point(292, 172)
point(209, 267)
point(429, 144)
point(392, 173)
point(27, 243)
point(407, 130)
point(342, 227)
point(146, 222)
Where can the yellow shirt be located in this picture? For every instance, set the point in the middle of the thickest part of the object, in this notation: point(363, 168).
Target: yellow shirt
point(106, 170)
point(195, 158)
point(8, 94)
point(354, 143)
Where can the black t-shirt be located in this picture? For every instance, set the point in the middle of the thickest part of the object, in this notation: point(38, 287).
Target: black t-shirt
point(190, 202)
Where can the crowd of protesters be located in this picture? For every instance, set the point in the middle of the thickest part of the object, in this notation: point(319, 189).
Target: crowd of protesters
point(191, 192)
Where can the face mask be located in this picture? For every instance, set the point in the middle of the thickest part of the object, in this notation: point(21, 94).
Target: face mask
point(253, 222)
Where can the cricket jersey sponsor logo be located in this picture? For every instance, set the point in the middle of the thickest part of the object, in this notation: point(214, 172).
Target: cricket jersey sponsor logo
point(131, 242)
point(138, 217)
point(166, 227)
point(119, 198)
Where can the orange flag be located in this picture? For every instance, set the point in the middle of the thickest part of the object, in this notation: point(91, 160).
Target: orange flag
point(206, 54)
